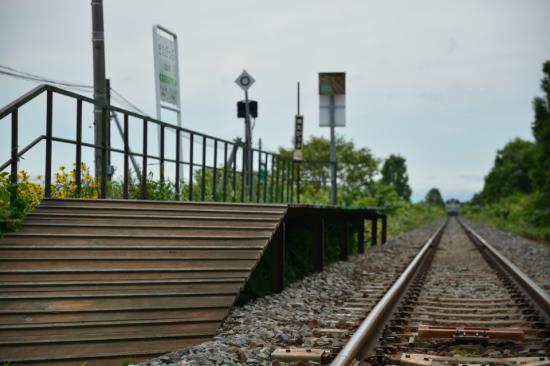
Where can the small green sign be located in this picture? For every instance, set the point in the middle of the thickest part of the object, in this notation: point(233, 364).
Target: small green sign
point(326, 88)
point(167, 79)
point(261, 175)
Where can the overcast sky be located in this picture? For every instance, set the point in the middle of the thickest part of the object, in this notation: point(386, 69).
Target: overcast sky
point(443, 83)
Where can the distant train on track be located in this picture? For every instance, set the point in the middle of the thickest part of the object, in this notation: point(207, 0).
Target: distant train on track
point(452, 207)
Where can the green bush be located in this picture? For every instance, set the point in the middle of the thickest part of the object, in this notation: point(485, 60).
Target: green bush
point(519, 214)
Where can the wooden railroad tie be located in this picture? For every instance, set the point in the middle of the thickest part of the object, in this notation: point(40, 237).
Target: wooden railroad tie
point(470, 333)
point(419, 359)
point(300, 354)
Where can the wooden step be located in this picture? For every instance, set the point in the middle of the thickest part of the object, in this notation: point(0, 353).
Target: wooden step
point(38, 252)
point(56, 288)
point(189, 241)
point(114, 275)
point(102, 280)
point(114, 327)
point(235, 206)
point(21, 350)
point(94, 316)
point(122, 264)
point(157, 230)
point(129, 302)
point(115, 209)
point(128, 219)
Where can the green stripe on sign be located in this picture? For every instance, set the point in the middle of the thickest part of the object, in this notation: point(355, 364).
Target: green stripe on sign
point(167, 79)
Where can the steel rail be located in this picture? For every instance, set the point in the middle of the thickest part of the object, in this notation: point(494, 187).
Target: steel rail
point(535, 292)
point(375, 320)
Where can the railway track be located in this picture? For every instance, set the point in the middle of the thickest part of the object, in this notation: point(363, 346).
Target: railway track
point(458, 302)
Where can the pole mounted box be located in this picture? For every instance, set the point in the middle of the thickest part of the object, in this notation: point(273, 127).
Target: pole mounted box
point(252, 106)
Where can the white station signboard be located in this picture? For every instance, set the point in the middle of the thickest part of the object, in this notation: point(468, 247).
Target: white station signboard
point(166, 66)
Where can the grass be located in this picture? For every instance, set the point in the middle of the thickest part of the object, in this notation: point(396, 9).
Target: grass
point(516, 214)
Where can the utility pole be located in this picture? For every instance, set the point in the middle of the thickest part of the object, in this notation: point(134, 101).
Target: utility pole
point(98, 42)
point(108, 131)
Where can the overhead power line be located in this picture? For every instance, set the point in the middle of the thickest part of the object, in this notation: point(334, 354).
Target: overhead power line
point(19, 74)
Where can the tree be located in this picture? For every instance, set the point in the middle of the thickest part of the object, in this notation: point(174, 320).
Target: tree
point(510, 173)
point(394, 174)
point(356, 167)
point(433, 198)
point(541, 132)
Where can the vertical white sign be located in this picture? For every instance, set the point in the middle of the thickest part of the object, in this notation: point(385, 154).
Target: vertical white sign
point(168, 70)
point(167, 79)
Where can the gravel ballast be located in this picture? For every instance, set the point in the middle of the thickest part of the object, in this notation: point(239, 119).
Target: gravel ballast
point(251, 332)
point(531, 257)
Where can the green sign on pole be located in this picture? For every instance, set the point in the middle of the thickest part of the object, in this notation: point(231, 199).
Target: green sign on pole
point(261, 175)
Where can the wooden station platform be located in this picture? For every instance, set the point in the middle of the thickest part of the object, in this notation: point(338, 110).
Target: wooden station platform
point(104, 281)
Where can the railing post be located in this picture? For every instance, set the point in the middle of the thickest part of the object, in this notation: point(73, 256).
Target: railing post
point(292, 176)
point(319, 244)
point(144, 163)
point(78, 164)
point(344, 239)
point(272, 178)
point(283, 182)
point(48, 172)
point(278, 259)
point(104, 155)
point(298, 178)
point(125, 183)
point(178, 163)
point(215, 171)
point(361, 236)
point(162, 154)
point(250, 179)
point(258, 192)
point(265, 179)
point(203, 169)
point(234, 178)
point(224, 172)
point(243, 168)
point(14, 154)
point(191, 145)
point(384, 228)
point(374, 231)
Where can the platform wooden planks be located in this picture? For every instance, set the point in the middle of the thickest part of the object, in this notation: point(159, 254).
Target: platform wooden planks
point(105, 280)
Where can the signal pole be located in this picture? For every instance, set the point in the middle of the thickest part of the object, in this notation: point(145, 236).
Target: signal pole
point(245, 81)
point(100, 95)
point(248, 143)
point(333, 194)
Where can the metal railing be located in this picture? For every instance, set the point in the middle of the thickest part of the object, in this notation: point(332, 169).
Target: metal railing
point(276, 179)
